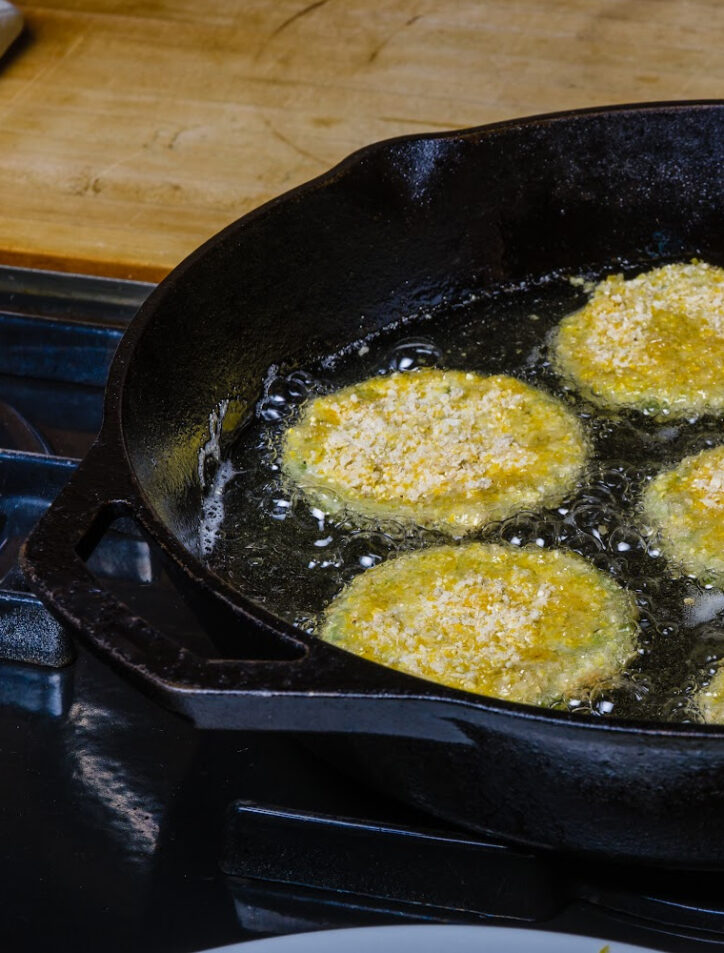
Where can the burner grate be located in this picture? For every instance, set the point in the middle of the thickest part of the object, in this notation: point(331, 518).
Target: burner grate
point(293, 862)
point(58, 334)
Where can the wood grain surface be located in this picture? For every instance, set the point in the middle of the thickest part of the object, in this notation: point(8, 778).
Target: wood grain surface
point(132, 131)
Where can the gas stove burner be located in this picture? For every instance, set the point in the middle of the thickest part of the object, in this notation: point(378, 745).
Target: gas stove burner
point(59, 333)
point(446, 870)
point(17, 433)
point(450, 874)
point(130, 829)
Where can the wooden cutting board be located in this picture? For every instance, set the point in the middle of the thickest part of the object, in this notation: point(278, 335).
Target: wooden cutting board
point(132, 130)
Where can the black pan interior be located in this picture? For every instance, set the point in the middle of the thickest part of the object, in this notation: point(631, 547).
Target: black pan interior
point(399, 228)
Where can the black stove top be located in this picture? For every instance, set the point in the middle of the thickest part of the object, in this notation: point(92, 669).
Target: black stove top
point(123, 827)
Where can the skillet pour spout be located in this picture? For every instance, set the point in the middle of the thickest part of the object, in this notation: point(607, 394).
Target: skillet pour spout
point(394, 230)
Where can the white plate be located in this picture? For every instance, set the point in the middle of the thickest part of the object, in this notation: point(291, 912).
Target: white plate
point(431, 938)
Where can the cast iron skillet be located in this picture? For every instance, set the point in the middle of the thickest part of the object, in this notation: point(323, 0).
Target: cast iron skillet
point(396, 228)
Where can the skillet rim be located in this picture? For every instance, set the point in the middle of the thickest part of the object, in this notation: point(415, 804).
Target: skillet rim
point(411, 687)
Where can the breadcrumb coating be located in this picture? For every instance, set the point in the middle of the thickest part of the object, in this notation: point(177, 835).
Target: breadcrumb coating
point(446, 449)
point(527, 625)
point(710, 700)
point(654, 342)
point(685, 506)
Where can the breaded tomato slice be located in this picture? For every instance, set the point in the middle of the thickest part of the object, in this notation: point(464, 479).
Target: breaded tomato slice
point(446, 449)
point(527, 625)
point(685, 507)
point(654, 343)
point(710, 700)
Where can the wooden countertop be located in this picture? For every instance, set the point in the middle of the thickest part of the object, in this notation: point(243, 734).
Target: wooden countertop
point(131, 131)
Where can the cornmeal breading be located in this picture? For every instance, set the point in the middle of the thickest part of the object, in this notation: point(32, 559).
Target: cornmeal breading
point(528, 625)
point(686, 508)
point(710, 700)
point(449, 449)
point(655, 342)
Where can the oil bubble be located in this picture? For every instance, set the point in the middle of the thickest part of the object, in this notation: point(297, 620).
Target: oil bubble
point(580, 535)
point(280, 509)
point(366, 550)
point(284, 394)
point(411, 353)
point(307, 623)
point(596, 519)
point(626, 539)
point(300, 384)
point(521, 530)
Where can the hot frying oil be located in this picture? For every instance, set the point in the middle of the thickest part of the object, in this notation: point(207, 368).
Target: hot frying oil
point(285, 553)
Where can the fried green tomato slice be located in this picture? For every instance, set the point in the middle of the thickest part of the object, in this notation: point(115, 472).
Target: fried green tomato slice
point(528, 625)
point(685, 507)
point(710, 700)
point(446, 449)
point(654, 343)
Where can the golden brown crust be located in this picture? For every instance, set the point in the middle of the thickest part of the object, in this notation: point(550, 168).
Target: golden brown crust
point(654, 342)
point(529, 625)
point(448, 449)
point(684, 506)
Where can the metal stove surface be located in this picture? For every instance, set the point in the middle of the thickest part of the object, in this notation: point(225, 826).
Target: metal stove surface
point(122, 827)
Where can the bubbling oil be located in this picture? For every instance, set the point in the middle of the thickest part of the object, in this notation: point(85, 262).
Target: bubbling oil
point(265, 536)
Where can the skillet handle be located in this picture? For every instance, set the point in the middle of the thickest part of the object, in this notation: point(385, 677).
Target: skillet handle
point(322, 690)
